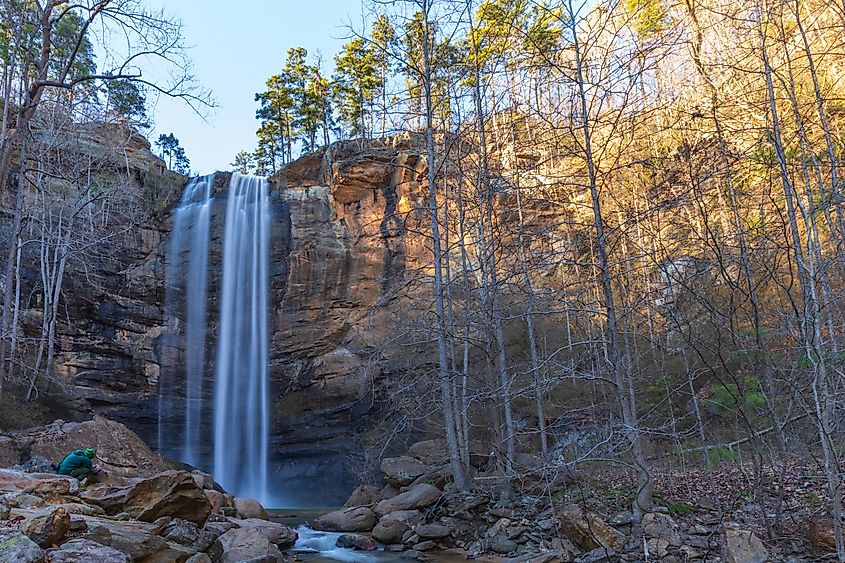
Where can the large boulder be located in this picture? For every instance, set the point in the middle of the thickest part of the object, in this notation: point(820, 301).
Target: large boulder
point(120, 451)
point(278, 534)
point(402, 471)
point(39, 484)
point(172, 493)
point(244, 544)
point(15, 547)
point(76, 551)
point(138, 540)
point(47, 527)
point(250, 508)
point(587, 529)
point(358, 519)
point(433, 531)
point(418, 496)
point(363, 495)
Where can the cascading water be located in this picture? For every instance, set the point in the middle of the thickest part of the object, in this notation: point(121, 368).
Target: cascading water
point(241, 410)
point(190, 235)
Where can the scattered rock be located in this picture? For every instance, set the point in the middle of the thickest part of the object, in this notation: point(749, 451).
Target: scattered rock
point(250, 508)
point(410, 517)
point(244, 544)
point(83, 509)
point(276, 533)
point(357, 541)
point(47, 527)
point(414, 555)
point(15, 547)
point(390, 531)
point(172, 493)
point(433, 531)
point(745, 547)
point(419, 496)
point(358, 519)
point(79, 550)
point(401, 471)
point(588, 530)
point(363, 495)
point(138, 540)
point(553, 556)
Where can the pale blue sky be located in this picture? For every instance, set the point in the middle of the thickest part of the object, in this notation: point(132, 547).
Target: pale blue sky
point(235, 46)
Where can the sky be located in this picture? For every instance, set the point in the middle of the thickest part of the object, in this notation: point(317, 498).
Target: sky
point(235, 46)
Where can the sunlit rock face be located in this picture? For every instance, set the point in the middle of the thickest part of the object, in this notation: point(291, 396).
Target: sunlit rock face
point(340, 255)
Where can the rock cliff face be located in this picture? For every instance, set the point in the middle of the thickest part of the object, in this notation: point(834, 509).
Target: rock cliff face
point(340, 252)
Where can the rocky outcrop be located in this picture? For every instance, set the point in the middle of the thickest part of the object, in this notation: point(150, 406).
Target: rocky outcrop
point(360, 519)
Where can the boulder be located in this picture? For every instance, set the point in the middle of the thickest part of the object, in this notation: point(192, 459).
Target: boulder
point(278, 534)
point(435, 452)
point(138, 540)
point(203, 480)
point(79, 550)
point(501, 544)
point(418, 496)
point(402, 471)
point(363, 495)
point(390, 531)
point(120, 451)
point(357, 542)
point(358, 519)
point(219, 500)
point(250, 508)
point(745, 547)
point(587, 530)
point(40, 484)
point(47, 527)
point(199, 558)
point(15, 547)
point(433, 531)
point(82, 509)
point(244, 544)
point(172, 493)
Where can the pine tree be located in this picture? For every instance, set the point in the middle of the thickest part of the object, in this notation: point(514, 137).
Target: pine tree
point(355, 86)
point(173, 153)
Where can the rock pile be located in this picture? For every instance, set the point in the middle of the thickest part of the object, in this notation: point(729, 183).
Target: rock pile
point(171, 516)
point(418, 512)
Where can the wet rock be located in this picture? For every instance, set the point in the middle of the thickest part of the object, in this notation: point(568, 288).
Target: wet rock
point(278, 534)
point(359, 519)
point(244, 544)
point(172, 493)
point(588, 530)
point(419, 496)
point(390, 531)
point(358, 542)
point(15, 547)
point(363, 495)
point(250, 508)
point(402, 471)
point(433, 531)
point(47, 527)
point(77, 551)
point(745, 547)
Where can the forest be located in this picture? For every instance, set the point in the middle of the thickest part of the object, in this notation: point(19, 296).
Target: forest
point(633, 213)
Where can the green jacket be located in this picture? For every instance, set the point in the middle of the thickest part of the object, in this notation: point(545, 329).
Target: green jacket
point(75, 460)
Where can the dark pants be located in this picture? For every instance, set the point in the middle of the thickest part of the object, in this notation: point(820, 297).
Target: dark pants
point(83, 473)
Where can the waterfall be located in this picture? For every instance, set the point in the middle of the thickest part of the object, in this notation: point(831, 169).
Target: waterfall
point(190, 235)
point(241, 410)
